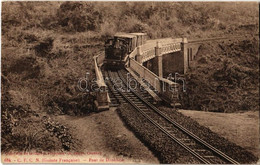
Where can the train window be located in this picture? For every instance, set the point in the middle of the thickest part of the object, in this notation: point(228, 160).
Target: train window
point(191, 54)
point(121, 42)
point(134, 43)
point(130, 45)
point(144, 39)
point(117, 44)
point(109, 42)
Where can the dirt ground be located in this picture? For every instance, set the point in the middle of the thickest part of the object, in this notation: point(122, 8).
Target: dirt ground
point(105, 132)
point(240, 128)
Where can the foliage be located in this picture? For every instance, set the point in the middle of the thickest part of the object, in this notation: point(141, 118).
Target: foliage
point(79, 17)
point(224, 77)
point(160, 17)
point(48, 46)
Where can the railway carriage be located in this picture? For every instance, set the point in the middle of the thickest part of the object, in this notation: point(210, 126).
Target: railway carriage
point(121, 45)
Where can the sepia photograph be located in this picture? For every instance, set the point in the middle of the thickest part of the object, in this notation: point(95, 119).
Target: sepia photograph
point(143, 82)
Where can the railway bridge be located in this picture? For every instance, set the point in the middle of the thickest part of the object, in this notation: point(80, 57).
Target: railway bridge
point(165, 56)
point(152, 61)
point(150, 64)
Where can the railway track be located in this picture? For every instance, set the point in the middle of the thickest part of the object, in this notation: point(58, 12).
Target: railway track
point(200, 149)
point(219, 38)
point(116, 97)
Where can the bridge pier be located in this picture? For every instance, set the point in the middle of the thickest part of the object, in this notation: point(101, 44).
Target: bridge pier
point(165, 58)
point(159, 59)
point(138, 56)
point(184, 52)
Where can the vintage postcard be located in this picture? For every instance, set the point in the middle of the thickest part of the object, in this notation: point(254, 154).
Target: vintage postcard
point(130, 82)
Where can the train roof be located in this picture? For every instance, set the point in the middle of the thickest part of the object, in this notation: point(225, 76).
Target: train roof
point(124, 35)
point(139, 34)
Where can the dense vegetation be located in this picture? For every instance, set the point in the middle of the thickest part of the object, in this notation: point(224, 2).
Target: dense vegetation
point(224, 77)
point(48, 46)
point(159, 19)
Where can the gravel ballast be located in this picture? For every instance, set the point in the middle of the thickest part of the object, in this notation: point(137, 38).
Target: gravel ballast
point(162, 146)
point(231, 149)
point(168, 151)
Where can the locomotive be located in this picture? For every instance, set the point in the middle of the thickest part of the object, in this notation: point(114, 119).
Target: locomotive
point(121, 45)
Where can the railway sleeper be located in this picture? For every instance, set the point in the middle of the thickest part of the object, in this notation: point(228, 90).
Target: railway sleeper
point(119, 96)
point(169, 127)
point(136, 98)
point(137, 101)
point(120, 99)
point(116, 94)
point(113, 102)
point(141, 106)
point(138, 104)
point(200, 150)
point(114, 105)
point(112, 98)
point(131, 96)
point(186, 140)
point(209, 156)
point(203, 151)
point(190, 144)
point(172, 133)
point(144, 109)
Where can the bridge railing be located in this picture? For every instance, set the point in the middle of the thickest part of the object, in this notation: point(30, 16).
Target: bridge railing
point(162, 85)
point(100, 59)
point(148, 54)
point(167, 45)
point(145, 73)
point(170, 47)
point(169, 90)
point(102, 100)
point(148, 45)
point(133, 53)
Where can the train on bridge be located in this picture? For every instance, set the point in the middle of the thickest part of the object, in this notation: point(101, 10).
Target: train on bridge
point(149, 61)
point(121, 45)
point(122, 52)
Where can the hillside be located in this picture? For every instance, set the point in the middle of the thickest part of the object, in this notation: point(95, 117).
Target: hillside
point(229, 126)
point(48, 46)
point(224, 77)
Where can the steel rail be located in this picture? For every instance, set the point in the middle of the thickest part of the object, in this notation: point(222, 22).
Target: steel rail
point(180, 127)
point(217, 38)
point(202, 159)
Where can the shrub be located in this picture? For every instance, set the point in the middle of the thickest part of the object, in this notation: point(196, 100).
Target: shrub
point(78, 17)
